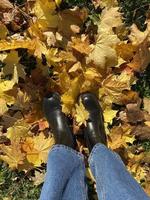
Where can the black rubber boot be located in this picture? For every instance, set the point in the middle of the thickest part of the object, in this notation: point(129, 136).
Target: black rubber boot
point(57, 120)
point(94, 131)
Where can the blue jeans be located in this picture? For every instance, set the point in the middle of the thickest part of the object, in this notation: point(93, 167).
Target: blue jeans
point(65, 177)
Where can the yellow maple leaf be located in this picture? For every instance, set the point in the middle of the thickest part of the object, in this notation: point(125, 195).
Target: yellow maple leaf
point(120, 136)
point(103, 52)
point(52, 56)
point(58, 2)
point(136, 36)
point(15, 44)
point(81, 114)
point(81, 45)
point(11, 61)
point(113, 86)
point(46, 15)
point(12, 155)
point(37, 149)
point(19, 130)
point(3, 31)
point(6, 86)
point(3, 107)
point(109, 114)
point(70, 96)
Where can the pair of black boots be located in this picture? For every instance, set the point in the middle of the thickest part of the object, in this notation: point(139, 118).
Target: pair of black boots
point(94, 131)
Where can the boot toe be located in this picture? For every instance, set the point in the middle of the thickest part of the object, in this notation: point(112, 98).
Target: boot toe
point(51, 102)
point(90, 101)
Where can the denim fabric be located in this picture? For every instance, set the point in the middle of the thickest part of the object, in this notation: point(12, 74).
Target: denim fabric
point(113, 181)
point(65, 177)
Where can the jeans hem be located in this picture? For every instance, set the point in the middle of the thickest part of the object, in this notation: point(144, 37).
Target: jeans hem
point(69, 149)
point(95, 149)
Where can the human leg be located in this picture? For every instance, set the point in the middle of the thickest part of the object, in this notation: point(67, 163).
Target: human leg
point(65, 167)
point(65, 177)
point(113, 181)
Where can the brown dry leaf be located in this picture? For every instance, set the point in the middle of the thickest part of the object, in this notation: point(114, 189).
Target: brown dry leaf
point(12, 155)
point(129, 96)
point(142, 57)
point(134, 113)
point(126, 50)
point(142, 132)
point(69, 18)
point(37, 149)
point(5, 5)
point(147, 188)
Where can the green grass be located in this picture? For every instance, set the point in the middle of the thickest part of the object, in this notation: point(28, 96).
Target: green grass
point(16, 185)
point(143, 83)
point(134, 11)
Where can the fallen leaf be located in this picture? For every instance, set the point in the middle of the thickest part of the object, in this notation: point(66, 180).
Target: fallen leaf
point(5, 5)
point(3, 107)
point(38, 178)
point(70, 96)
point(136, 36)
point(16, 44)
point(142, 132)
point(142, 57)
point(70, 17)
point(37, 149)
point(3, 31)
point(45, 13)
point(107, 3)
point(134, 114)
point(19, 130)
point(12, 60)
point(114, 85)
point(146, 102)
point(81, 45)
point(12, 155)
point(109, 115)
point(81, 114)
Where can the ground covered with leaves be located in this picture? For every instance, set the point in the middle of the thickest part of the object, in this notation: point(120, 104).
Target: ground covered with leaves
point(70, 47)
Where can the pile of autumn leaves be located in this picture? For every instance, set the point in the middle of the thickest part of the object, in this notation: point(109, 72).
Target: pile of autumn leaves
point(70, 61)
